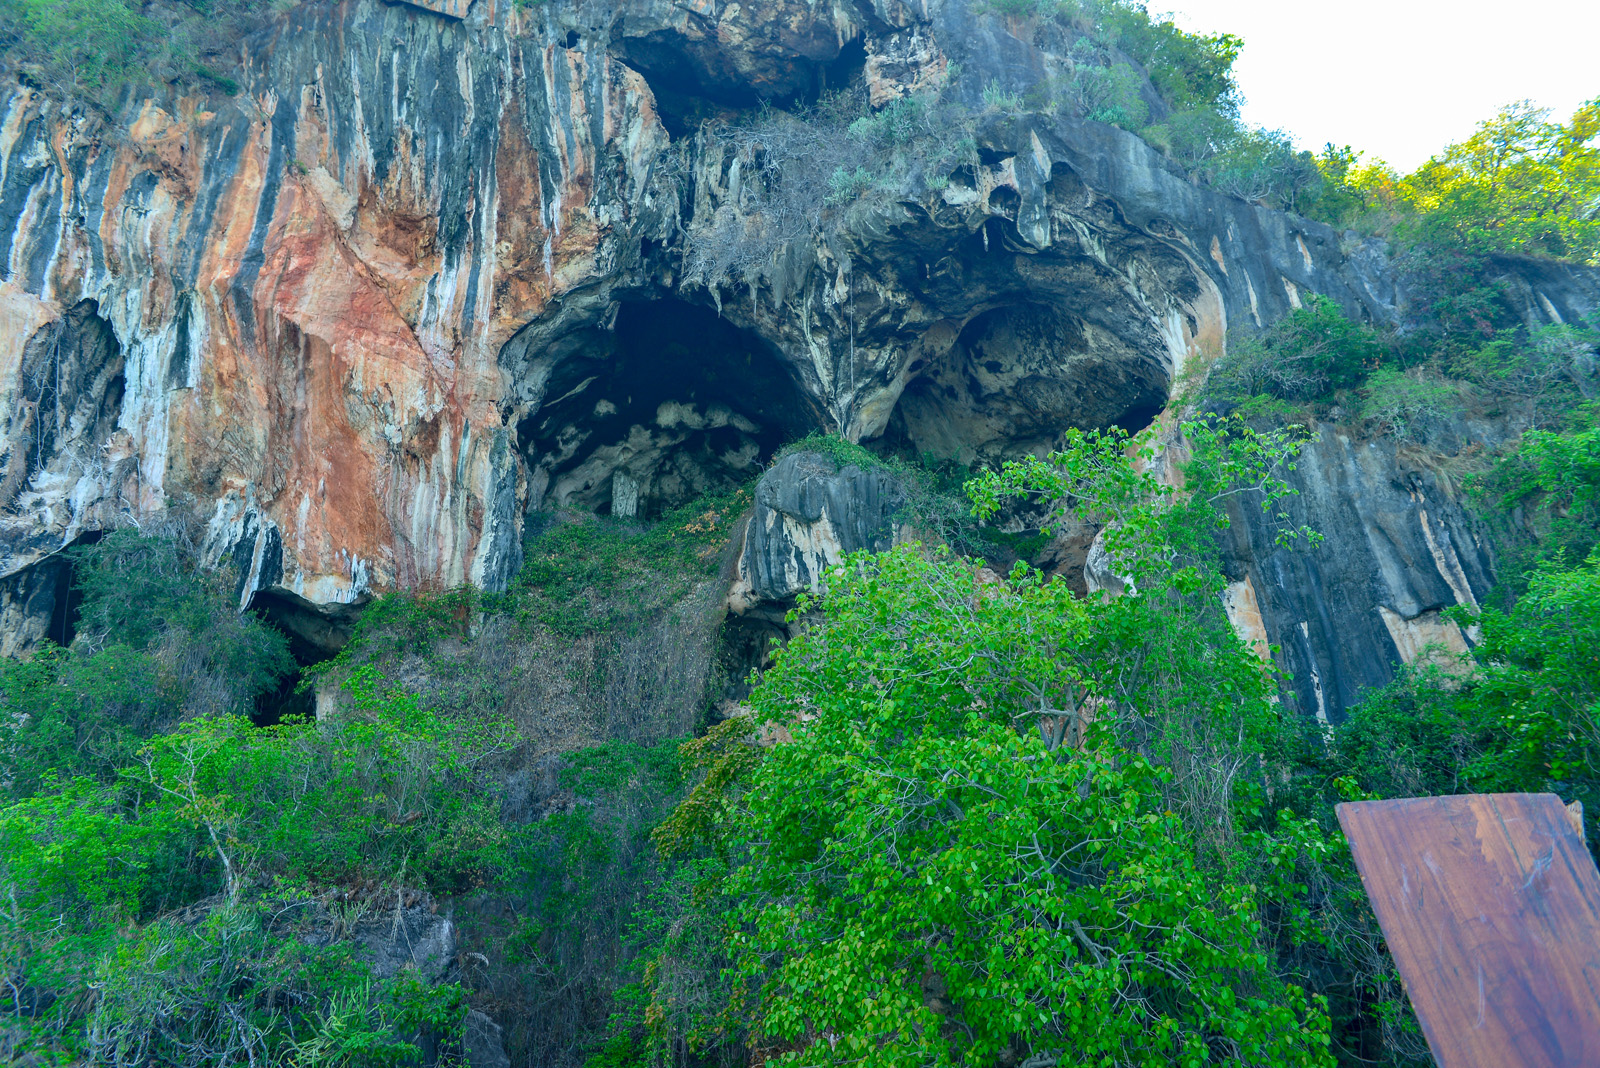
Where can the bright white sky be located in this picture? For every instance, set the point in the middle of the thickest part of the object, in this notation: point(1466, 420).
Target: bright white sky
point(1400, 79)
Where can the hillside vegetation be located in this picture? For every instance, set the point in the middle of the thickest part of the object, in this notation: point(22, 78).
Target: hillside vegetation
point(1009, 821)
point(91, 50)
point(966, 812)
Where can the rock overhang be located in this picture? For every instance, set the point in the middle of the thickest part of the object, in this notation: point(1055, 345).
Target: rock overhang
point(343, 295)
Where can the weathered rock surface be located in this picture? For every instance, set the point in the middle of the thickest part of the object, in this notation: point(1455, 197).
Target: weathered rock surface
point(308, 287)
point(393, 931)
point(809, 513)
point(1398, 548)
point(426, 273)
point(483, 1042)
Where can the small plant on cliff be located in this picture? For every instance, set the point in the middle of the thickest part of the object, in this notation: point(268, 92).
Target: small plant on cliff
point(996, 98)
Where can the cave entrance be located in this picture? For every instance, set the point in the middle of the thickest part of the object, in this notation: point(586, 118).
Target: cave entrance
point(694, 82)
point(1020, 374)
point(316, 633)
point(63, 628)
point(672, 403)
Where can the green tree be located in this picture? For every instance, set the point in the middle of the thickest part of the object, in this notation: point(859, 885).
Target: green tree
point(1005, 820)
point(158, 642)
point(1520, 183)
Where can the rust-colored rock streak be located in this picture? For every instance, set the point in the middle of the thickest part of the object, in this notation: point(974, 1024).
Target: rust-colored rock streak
point(311, 284)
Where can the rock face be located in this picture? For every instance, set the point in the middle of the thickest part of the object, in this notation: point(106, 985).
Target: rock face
point(483, 1042)
point(1397, 549)
point(428, 271)
point(405, 931)
point(810, 511)
point(284, 310)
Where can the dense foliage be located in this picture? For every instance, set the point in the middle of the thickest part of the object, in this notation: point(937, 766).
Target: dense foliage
point(1527, 718)
point(1007, 821)
point(157, 643)
point(1520, 184)
point(159, 860)
point(1317, 363)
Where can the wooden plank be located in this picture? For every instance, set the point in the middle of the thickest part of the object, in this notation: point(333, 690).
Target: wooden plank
point(1491, 908)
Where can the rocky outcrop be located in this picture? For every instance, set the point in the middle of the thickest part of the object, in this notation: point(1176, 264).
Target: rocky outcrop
point(307, 288)
point(483, 1042)
point(810, 512)
point(431, 269)
point(392, 931)
point(29, 601)
point(1397, 549)
point(395, 932)
point(339, 314)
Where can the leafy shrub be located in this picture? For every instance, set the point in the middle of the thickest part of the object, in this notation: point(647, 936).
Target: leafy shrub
point(141, 591)
point(157, 642)
point(1542, 500)
point(1191, 137)
point(1262, 165)
point(1314, 350)
point(1189, 70)
point(845, 186)
point(219, 815)
point(405, 622)
point(996, 98)
point(1111, 93)
point(1540, 374)
point(897, 124)
point(1406, 403)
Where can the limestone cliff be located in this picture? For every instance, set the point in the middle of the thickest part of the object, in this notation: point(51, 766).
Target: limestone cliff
point(429, 270)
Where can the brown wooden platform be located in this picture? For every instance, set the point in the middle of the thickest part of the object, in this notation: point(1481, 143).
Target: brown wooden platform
point(1491, 908)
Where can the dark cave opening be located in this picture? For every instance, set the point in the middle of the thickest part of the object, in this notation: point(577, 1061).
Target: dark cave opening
point(671, 404)
point(316, 634)
point(64, 614)
point(1138, 416)
point(694, 85)
point(283, 703)
point(1021, 373)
